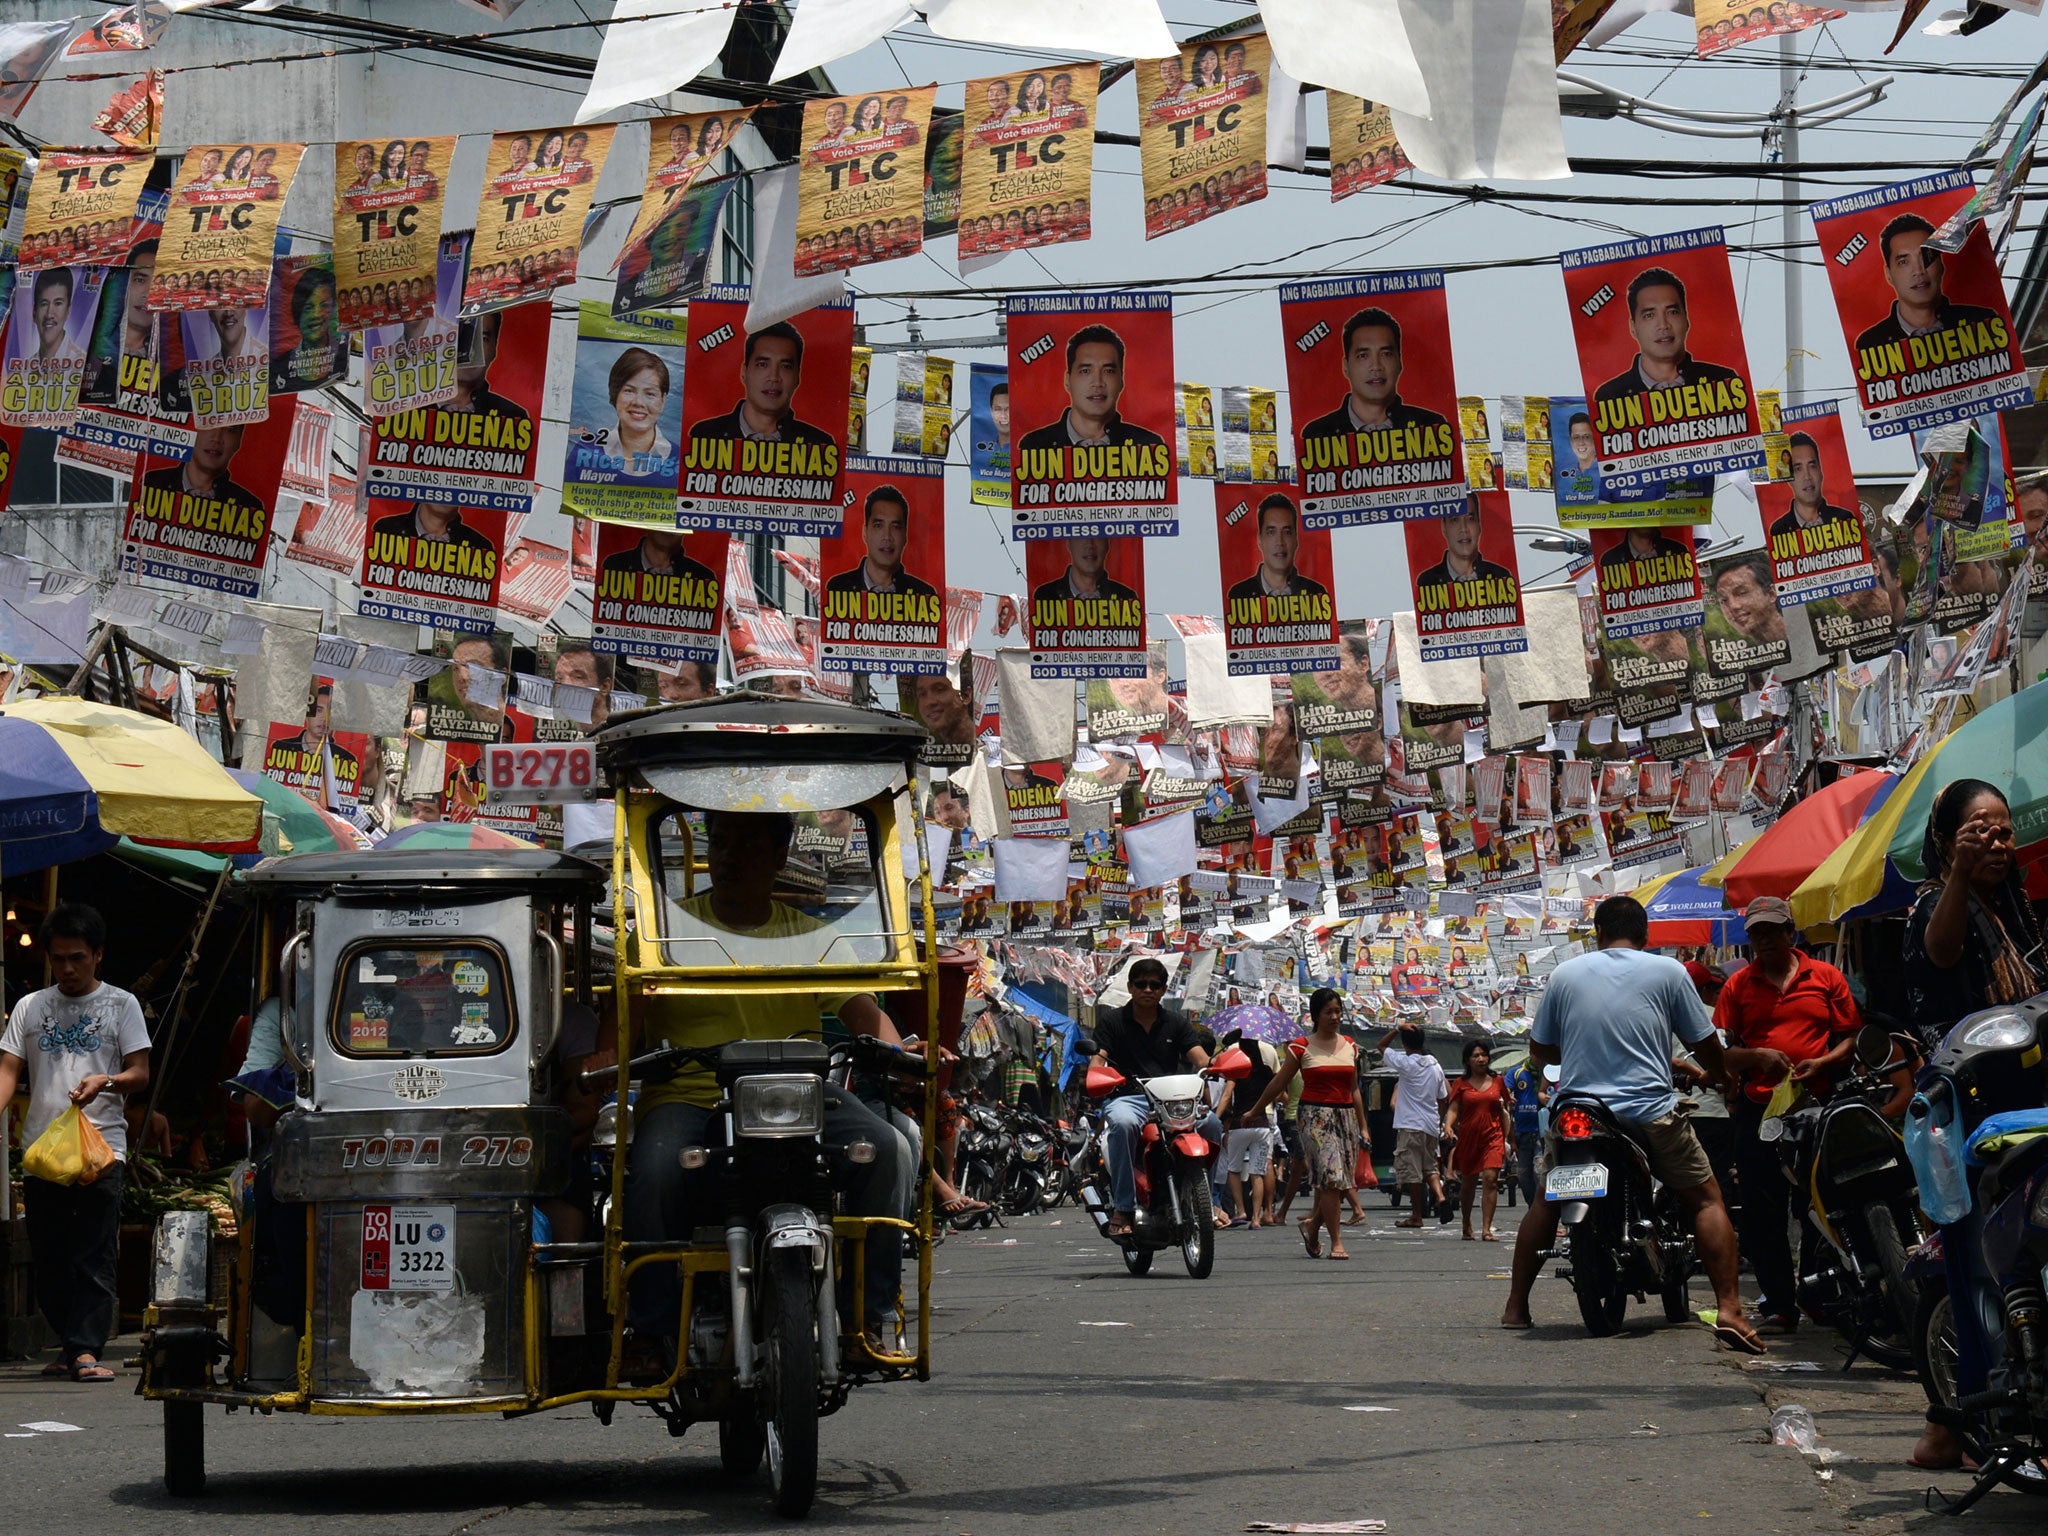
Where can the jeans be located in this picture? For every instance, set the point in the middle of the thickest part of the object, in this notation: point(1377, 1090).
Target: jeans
point(74, 1233)
point(1765, 1216)
point(666, 1202)
point(1526, 1145)
point(1124, 1117)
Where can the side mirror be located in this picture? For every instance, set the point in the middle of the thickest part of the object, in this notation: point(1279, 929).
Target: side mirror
point(1084, 1045)
point(1771, 1129)
point(1232, 1064)
point(1103, 1081)
point(1873, 1046)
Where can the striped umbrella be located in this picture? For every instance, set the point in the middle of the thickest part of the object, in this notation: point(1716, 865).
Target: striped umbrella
point(451, 834)
point(294, 824)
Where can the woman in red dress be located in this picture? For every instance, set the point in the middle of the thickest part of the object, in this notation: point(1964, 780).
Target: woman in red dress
point(1482, 1131)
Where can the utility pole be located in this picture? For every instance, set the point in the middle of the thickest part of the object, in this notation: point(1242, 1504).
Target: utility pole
point(1788, 221)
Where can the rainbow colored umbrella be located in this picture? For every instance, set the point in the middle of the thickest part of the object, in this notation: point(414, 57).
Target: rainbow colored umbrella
point(2006, 745)
point(1775, 862)
point(1683, 911)
point(450, 834)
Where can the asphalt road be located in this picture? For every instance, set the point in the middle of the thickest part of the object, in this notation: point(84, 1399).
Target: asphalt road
point(1069, 1397)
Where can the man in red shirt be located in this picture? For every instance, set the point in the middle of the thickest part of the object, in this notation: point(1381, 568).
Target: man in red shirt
point(1785, 1013)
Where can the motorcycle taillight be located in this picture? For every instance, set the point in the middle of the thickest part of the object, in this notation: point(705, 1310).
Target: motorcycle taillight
point(1575, 1125)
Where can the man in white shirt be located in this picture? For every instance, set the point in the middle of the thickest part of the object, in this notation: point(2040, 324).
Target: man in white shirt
point(89, 1046)
point(1418, 1119)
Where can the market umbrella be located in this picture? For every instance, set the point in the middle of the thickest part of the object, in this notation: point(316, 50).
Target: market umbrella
point(1256, 1021)
point(1793, 847)
point(1856, 876)
point(450, 834)
point(90, 773)
point(1683, 911)
point(2006, 745)
point(293, 824)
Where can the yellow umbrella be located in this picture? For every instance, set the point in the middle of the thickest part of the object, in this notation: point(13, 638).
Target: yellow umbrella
point(1854, 872)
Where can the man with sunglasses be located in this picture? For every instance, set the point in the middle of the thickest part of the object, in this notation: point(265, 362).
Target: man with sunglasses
point(1142, 1039)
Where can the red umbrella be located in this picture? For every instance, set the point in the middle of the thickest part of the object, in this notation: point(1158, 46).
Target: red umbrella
point(1777, 862)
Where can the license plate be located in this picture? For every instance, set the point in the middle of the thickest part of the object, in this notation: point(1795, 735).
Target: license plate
point(1581, 1181)
point(408, 1248)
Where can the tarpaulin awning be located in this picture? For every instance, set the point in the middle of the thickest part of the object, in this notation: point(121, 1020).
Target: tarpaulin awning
point(1775, 862)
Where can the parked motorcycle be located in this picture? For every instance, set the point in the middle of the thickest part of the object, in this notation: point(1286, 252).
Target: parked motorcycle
point(1857, 1188)
point(1172, 1165)
point(1977, 1136)
point(981, 1158)
point(1624, 1233)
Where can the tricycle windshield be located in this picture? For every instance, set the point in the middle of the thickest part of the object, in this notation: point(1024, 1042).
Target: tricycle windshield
point(781, 890)
point(396, 998)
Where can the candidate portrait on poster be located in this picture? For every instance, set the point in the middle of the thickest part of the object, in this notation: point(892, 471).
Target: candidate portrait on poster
point(1094, 387)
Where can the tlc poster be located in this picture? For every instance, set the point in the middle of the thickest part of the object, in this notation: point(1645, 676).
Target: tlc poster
point(1202, 130)
point(1648, 580)
point(387, 227)
point(221, 230)
point(1363, 149)
point(884, 575)
point(42, 359)
point(988, 427)
point(1930, 336)
point(411, 365)
point(1278, 612)
point(81, 208)
point(206, 522)
point(1091, 379)
point(679, 149)
point(1027, 160)
point(529, 223)
point(659, 594)
point(860, 179)
point(432, 563)
point(1087, 615)
point(1660, 347)
point(1729, 23)
point(307, 348)
point(478, 449)
point(1375, 408)
point(625, 416)
point(1818, 547)
point(763, 412)
point(1468, 592)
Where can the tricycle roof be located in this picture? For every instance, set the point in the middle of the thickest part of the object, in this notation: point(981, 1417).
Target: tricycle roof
point(743, 727)
point(500, 870)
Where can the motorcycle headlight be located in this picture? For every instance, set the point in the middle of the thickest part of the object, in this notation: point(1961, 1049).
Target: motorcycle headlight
point(779, 1104)
point(1178, 1114)
point(2037, 1208)
point(1030, 1153)
point(2005, 1029)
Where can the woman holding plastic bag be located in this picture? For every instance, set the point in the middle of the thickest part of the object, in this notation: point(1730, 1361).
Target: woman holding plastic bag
point(85, 1048)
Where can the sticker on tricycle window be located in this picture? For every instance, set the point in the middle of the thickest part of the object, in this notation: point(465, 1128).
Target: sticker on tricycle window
point(408, 1248)
point(429, 918)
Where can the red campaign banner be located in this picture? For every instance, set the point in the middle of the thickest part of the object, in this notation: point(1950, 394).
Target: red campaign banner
point(1466, 581)
point(1279, 611)
point(1649, 580)
point(1930, 336)
point(1659, 336)
point(1034, 795)
point(10, 461)
point(657, 595)
point(323, 764)
point(763, 644)
point(765, 413)
point(1087, 611)
point(884, 573)
point(305, 462)
point(427, 562)
point(206, 522)
point(536, 580)
point(1375, 404)
point(329, 533)
point(476, 450)
point(1091, 400)
point(1818, 547)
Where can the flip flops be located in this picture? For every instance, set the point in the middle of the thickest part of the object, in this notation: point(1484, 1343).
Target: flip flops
point(86, 1369)
point(1740, 1340)
point(1311, 1240)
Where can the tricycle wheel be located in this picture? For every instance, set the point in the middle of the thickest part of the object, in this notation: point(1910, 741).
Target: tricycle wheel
point(184, 1450)
point(790, 1390)
point(741, 1443)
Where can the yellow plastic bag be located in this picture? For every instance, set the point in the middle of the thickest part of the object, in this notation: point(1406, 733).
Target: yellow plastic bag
point(71, 1151)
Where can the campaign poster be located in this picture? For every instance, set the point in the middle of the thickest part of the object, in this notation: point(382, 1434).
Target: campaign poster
point(1343, 699)
point(227, 364)
point(221, 229)
point(672, 262)
point(1279, 614)
point(1375, 408)
point(1430, 738)
point(1725, 24)
point(763, 411)
point(658, 594)
point(1930, 336)
point(1027, 159)
point(431, 562)
point(1817, 546)
point(948, 715)
point(1744, 629)
point(1652, 673)
point(1202, 130)
point(1195, 426)
point(42, 358)
point(1660, 348)
point(123, 29)
point(388, 207)
point(988, 428)
point(1363, 149)
point(477, 449)
point(81, 208)
point(329, 533)
point(134, 115)
point(1034, 798)
point(679, 150)
point(1087, 611)
point(1585, 501)
point(410, 365)
point(860, 179)
point(625, 416)
point(305, 461)
point(311, 757)
point(205, 522)
point(884, 573)
point(529, 221)
point(1466, 581)
point(308, 348)
point(120, 416)
point(1131, 706)
point(1091, 377)
point(1648, 579)
point(942, 154)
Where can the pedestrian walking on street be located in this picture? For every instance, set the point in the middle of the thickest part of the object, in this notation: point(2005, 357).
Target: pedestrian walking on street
point(1531, 1097)
point(1477, 1123)
point(1419, 1098)
point(1332, 1118)
point(1248, 1151)
point(84, 1043)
